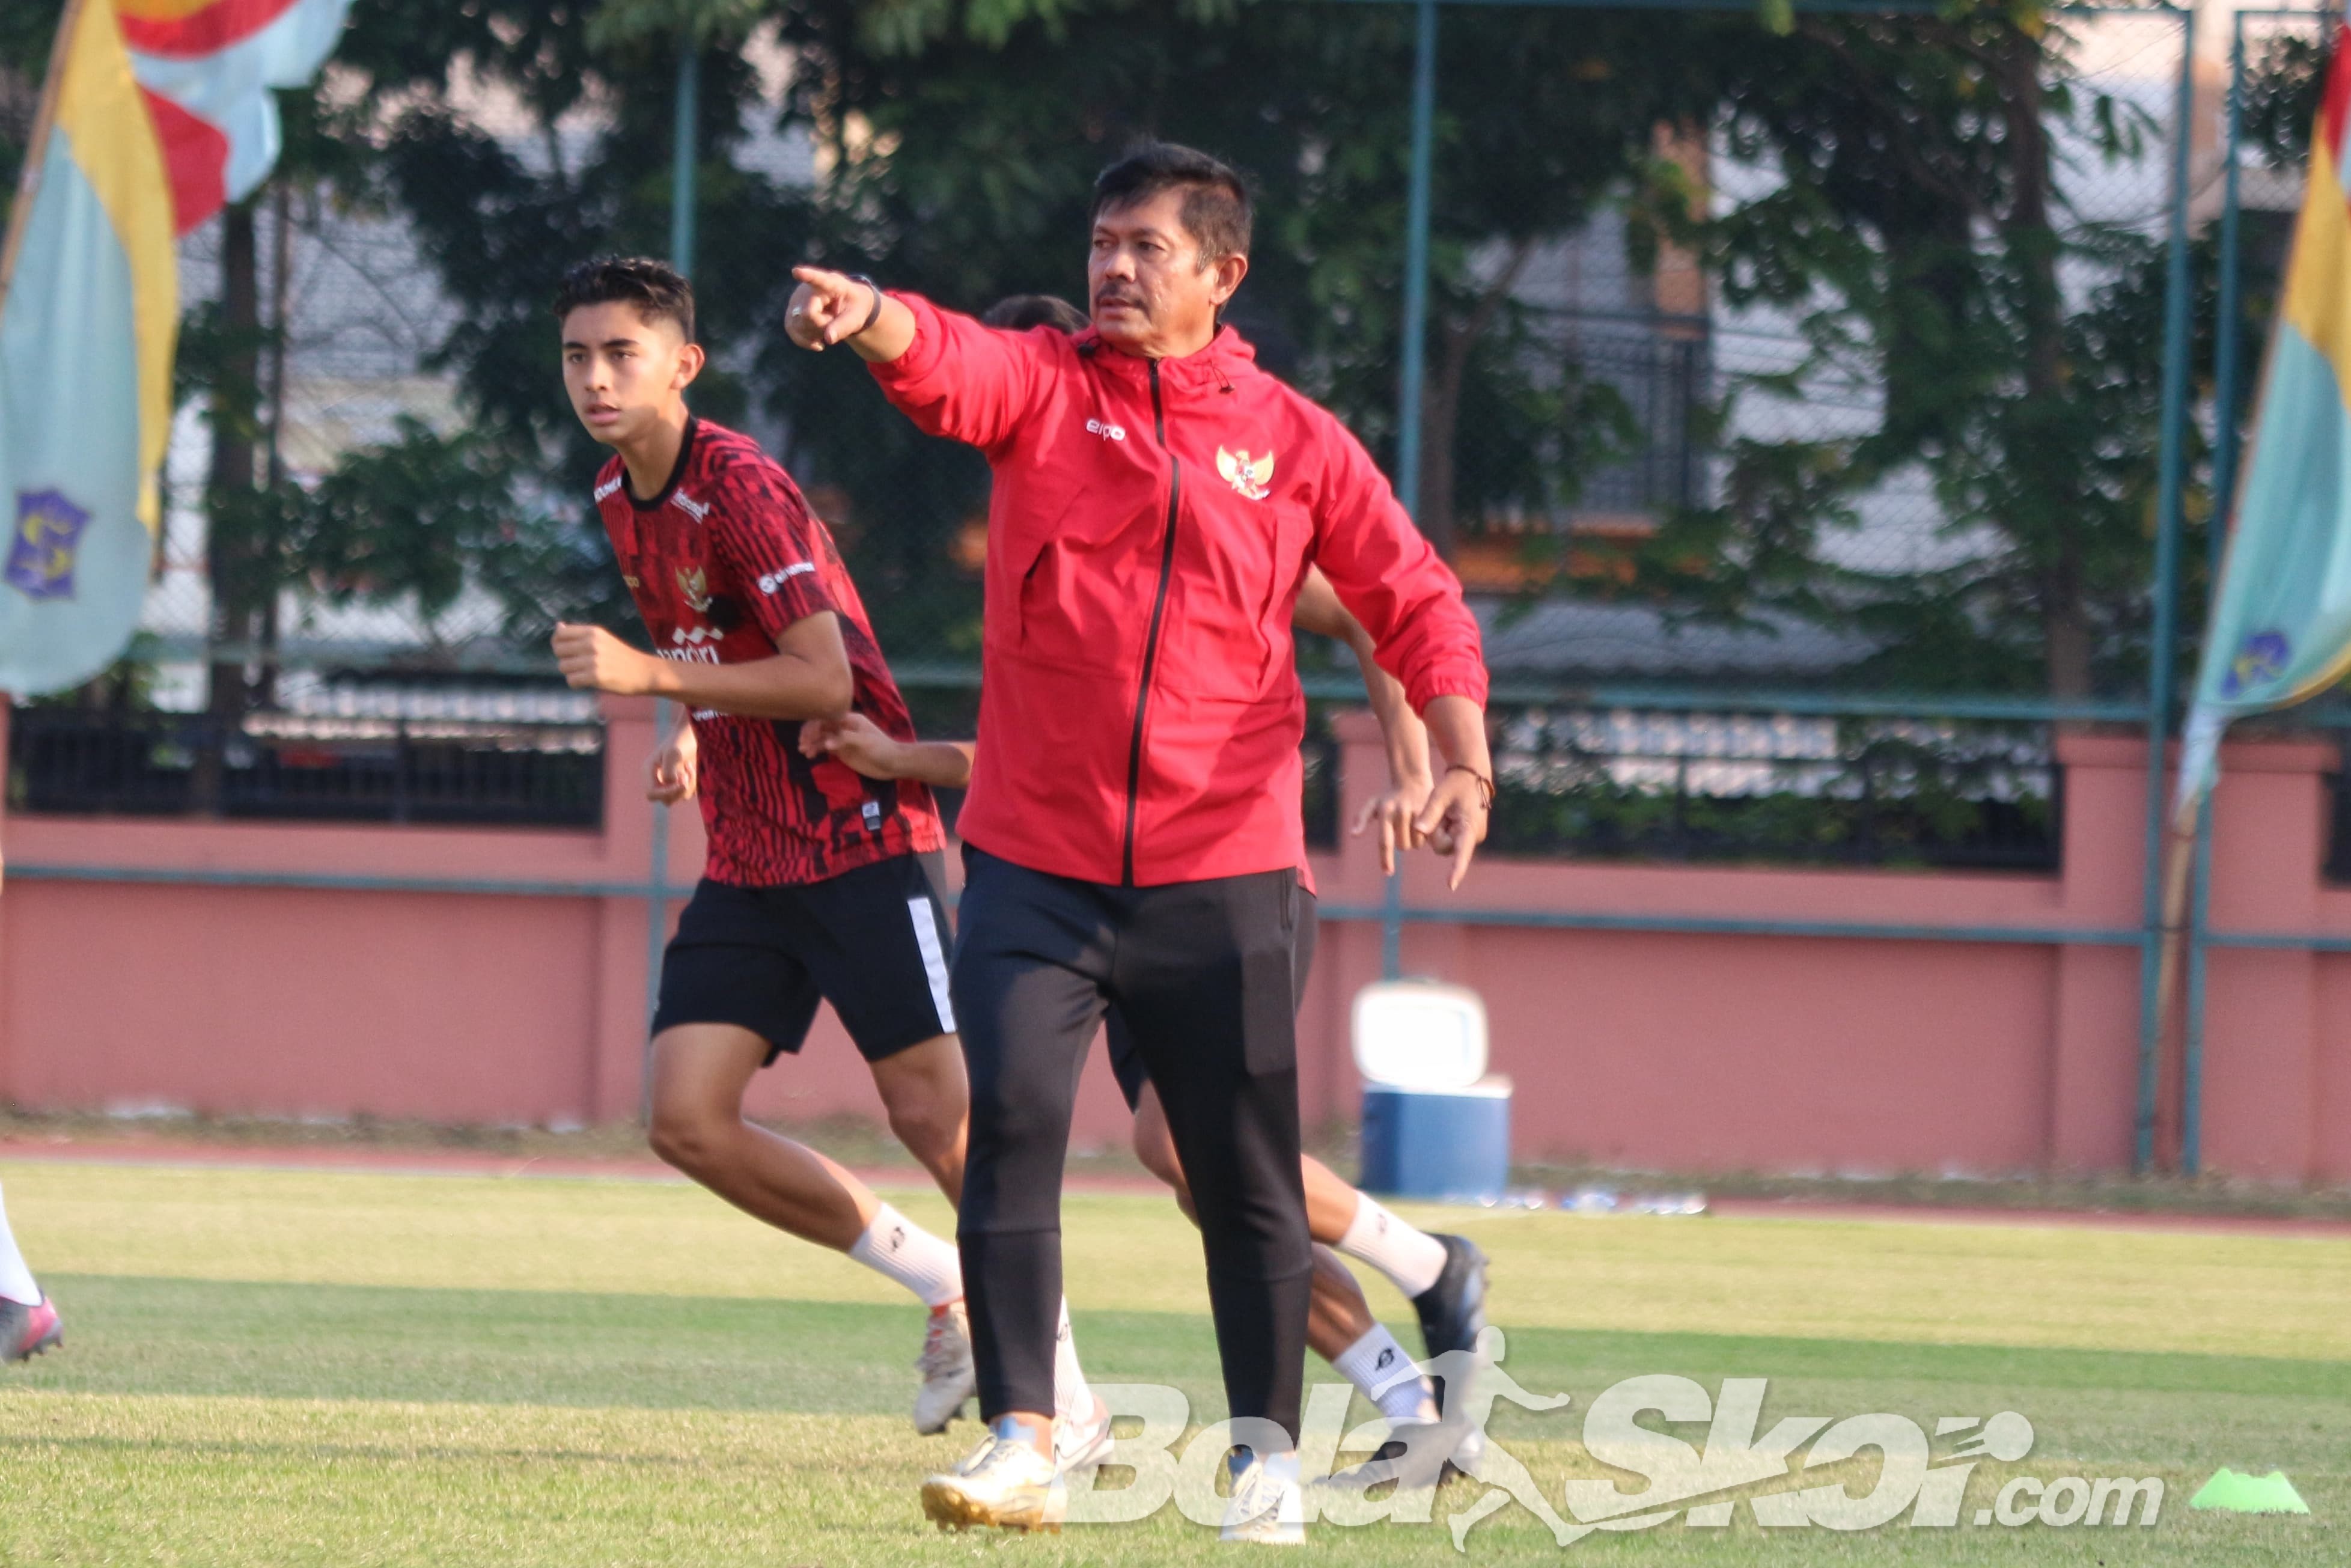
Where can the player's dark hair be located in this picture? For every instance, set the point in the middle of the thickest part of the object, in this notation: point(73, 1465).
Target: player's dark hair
point(1217, 208)
point(1022, 312)
point(658, 290)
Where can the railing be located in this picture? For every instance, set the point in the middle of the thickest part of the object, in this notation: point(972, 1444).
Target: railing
point(1778, 787)
point(308, 766)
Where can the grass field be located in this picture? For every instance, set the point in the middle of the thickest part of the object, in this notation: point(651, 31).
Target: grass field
point(281, 1368)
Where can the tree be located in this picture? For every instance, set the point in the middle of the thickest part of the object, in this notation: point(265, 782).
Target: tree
point(967, 141)
point(1921, 234)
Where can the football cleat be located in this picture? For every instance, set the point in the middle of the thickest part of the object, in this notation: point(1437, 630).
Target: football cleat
point(1082, 1443)
point(25, 1331)
point(1453, 1309)
point(948, 1376)
point(1417, 1455)
point(1266, 1507)
point(1004, 1484)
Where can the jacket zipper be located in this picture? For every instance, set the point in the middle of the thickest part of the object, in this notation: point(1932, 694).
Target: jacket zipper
point(1151, 638)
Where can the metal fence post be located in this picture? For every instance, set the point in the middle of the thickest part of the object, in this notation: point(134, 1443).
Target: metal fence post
point(2226, 395)
point(2163, 636)
point(1415, 365)
point(684, 134)
point(683, 160)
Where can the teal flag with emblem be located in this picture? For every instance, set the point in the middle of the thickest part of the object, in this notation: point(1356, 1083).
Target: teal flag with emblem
point(2281, 627)
point(86, 339)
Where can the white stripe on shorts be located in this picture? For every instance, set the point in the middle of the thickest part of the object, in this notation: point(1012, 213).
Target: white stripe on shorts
point(935, 961)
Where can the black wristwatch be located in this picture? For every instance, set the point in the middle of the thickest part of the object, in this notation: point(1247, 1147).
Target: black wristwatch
point(872, 315)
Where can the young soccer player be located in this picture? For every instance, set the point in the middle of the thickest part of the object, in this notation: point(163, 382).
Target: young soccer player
point(816, 886)
point(28, 1324)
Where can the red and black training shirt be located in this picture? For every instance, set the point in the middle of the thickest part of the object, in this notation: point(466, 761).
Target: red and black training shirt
point(720, 563)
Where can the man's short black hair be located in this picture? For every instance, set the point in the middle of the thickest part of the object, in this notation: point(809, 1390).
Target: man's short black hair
point(1216, 200)
point(1023, 312)
point(658, 290)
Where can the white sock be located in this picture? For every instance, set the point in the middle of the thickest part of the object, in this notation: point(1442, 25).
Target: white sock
point(1377, 1364)
point(16, 1279)
point(896, 1247)
point(1411, 1258)
point(1072, 1398)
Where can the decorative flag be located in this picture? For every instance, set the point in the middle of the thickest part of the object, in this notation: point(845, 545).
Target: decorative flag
point(157, 112)
point(2281, 627)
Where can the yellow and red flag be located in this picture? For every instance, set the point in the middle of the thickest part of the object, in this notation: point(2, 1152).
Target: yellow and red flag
point(156, 113)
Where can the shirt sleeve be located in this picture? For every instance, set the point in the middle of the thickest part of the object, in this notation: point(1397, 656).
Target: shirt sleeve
point(760, 529)
point(1391, 580)
point(963, 380)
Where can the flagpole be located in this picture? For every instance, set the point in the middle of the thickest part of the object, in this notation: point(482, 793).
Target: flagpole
point(28, 179)
point(2162, 650)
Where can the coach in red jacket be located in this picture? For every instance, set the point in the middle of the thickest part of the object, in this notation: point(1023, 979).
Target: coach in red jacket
point(1133, 823)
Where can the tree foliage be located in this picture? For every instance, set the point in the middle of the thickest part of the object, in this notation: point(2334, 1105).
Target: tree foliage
point(1920, 233)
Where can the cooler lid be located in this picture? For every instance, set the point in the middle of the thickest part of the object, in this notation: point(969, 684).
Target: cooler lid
point(1420, 1034)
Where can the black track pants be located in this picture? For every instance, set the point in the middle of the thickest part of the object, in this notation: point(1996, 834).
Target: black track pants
point(1203, 973)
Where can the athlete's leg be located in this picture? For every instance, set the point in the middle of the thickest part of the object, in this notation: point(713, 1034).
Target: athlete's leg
point(1027, 975)
point(1340, 1327)
point(700, 1071)
point(1204, 978)
point(16, 1279)
point(928, 1101)
point(1340, 1314)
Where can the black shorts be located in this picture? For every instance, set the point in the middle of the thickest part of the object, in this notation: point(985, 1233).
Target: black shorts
point(873, 941)
point(1126, 1062)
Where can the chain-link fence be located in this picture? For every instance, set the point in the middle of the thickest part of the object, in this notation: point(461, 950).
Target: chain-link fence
point(1815, 374)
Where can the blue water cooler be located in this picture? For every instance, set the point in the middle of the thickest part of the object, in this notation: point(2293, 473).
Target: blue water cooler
point(1435, 1126)
point(1449, 1145)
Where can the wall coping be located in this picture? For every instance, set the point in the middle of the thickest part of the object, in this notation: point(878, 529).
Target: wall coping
point(2129, 751)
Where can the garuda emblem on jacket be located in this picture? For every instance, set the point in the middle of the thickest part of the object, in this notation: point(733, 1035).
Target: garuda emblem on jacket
point(1250, 476)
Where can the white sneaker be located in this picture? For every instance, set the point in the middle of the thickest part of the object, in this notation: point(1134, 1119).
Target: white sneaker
point(1266, 1507)
point(1004, 1482)
point(1415, 1457)
point(948, 1376)
point(1082, 1442)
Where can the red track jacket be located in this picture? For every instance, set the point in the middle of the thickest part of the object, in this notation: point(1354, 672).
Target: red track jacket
point(1151, 523)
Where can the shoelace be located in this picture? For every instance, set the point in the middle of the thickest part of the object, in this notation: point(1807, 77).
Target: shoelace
point(940, 1353)
point(1002, 1455)
point(1255, 1495)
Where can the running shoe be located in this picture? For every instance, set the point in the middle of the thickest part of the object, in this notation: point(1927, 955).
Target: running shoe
point(1453, 1309)
point(1082, 1443)
point(1266, 1507)
point(1005, 1483)
point(25, 1331)
point(1417, 1455)
point(948, 1376)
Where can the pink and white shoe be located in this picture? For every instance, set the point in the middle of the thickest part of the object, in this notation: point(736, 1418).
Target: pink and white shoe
point(25, 1331)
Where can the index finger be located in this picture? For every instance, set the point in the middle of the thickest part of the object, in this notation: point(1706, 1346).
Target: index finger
point(831, 282)
point(1463, 848)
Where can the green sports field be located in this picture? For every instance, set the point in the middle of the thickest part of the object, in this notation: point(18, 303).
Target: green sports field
point(280, 1367)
